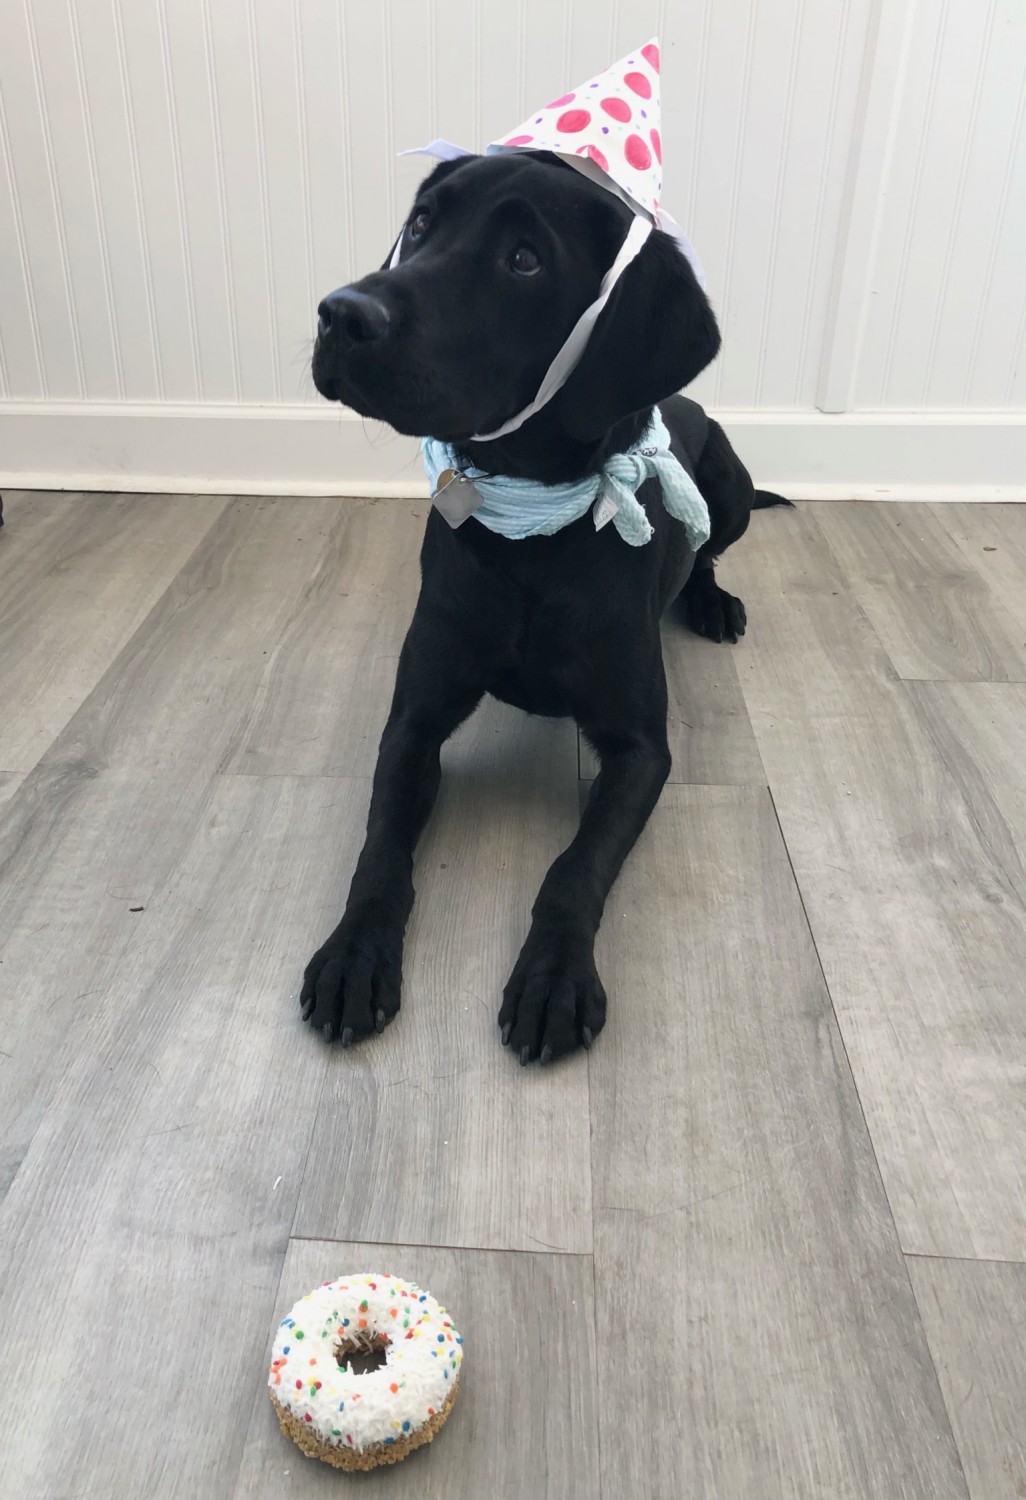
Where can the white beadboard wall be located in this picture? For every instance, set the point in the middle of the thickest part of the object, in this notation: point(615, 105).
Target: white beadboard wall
point(181, 180)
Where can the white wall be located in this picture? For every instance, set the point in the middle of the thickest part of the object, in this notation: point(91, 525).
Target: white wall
point(180, 180)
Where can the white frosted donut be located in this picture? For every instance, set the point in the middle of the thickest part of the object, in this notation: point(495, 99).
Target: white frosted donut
point(358, 1421)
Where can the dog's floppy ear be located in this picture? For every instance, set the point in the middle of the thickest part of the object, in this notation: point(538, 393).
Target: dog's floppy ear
point(656, 333)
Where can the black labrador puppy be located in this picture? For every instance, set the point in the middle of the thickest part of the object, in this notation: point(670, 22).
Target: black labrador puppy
point(499, 258)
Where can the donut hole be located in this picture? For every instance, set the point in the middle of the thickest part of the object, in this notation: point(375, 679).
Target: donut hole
point(362, 1354)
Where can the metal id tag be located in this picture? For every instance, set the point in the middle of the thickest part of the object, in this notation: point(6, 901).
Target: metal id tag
point(456, 497)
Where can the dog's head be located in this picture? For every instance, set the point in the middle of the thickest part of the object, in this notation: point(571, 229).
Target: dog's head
point(500, 256)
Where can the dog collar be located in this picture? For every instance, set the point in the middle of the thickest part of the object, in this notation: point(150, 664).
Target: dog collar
point(520, 508)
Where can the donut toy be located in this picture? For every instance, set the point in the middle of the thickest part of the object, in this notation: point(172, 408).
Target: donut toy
point(364, 1370)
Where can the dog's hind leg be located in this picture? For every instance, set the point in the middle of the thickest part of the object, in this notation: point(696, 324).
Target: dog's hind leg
point(730, 495)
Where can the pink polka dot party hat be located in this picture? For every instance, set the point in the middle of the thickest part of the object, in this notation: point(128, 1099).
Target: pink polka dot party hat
point(612, 120)
point(609, 129)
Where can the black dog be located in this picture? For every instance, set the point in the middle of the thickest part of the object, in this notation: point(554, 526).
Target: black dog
point(500, 256)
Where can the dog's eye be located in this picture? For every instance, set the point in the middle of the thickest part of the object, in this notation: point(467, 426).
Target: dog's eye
point(419, 223)
point(525, 261)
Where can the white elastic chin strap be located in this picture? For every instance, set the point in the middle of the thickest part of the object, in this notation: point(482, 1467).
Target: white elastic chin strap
point(569, 357)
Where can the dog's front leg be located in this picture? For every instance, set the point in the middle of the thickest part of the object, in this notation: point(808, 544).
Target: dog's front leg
point(353, 983)
point(554, 1000)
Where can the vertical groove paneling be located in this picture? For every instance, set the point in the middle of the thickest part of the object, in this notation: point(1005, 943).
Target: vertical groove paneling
point(866, 176)
point(944, 296)
point(280, 62)
point(261, 154)
point(182, 182)
point(432, 88)
point(1016, 371)
point(695, 154)
point(735, 188)
point(566, 50)
point(389, 141)
point(361, 154)
point(521, 63)
point(778, 199)
point(808, 358)
point(222, 199)
point(305, 152)
point(1014, 145)
point(20, 381)
point(346, 128)
point(475, 71)
point(917, 183)
point(98, 203)
point(72, 330)
point(954, 224)
point(143, 188)
point(138, 208)
point(183, 212)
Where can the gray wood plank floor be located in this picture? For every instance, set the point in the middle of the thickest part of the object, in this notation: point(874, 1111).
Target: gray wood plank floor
point(345, 626)
point(682, 1263)
point(9, 783)
point(741, 1228)
point(525, 1422)
point(922, 939)
point(993, 538)
point(502, 1153)
point(112, 557)
point(934, 612)
point(975, 1314)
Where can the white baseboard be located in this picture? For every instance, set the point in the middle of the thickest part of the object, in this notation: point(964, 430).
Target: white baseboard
point(204, 450)
point(908, 455)
point(322, 450)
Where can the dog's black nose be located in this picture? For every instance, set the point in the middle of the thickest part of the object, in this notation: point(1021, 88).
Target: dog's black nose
point(354, 316)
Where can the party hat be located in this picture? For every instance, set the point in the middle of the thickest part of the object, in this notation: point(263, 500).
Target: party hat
point(612, 121)
point(608, 129)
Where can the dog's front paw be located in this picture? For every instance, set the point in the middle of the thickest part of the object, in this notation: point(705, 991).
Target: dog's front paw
point(714, 613)
point(352, 985)
point(554, 1001)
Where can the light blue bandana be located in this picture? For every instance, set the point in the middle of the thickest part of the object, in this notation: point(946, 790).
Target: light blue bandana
point(518, 508)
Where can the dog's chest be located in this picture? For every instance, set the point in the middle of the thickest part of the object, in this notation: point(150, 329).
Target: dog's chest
point(548, 619)
point(547, 658)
